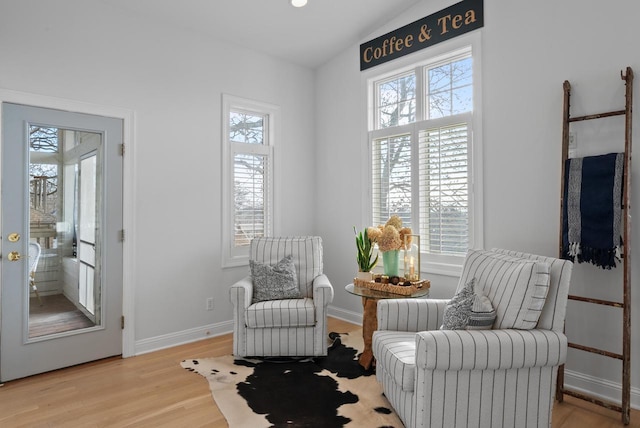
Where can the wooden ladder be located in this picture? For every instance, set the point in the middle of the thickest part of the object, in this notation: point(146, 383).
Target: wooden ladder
point(625, 305)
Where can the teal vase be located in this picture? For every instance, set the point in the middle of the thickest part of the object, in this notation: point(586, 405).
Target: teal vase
point(390, 261)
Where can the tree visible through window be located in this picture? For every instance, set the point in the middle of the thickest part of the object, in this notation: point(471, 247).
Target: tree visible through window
point(397, 101)
point(43, 177)
point(450, 89)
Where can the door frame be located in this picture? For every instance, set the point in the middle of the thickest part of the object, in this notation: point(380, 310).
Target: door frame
point(128, 190)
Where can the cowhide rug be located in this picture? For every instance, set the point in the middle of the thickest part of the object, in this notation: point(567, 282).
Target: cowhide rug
point(322, 392)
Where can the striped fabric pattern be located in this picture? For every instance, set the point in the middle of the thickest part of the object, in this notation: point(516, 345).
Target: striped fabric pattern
point(553, 312)
point(281, 313)
point(280, 342)
point(291, 327)
point(489, 349)
point(472, 378)
point(410, 314)
point(517, 287)
point(511, 398)
point(455, 372)
point(396, 352)
point(403, 402)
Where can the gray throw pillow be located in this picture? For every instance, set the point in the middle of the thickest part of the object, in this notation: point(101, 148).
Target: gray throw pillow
point(274, 282)
point(468, 310)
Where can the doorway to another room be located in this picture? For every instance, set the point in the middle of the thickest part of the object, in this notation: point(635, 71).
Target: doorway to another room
point(62, 264)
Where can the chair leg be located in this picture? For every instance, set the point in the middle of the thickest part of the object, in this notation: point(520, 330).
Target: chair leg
point(35, 289)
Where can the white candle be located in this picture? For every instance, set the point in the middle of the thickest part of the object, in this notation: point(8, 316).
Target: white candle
point(411, 268)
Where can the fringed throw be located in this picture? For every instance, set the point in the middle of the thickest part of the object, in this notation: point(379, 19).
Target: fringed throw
point(592, 209)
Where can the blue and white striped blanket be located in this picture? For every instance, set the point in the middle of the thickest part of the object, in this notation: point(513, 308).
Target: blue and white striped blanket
point(592, 209)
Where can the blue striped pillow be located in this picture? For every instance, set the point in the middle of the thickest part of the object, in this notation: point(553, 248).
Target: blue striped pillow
point(517, 287)
point(482, 314)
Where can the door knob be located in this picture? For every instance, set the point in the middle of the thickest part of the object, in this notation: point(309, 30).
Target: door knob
point(13, 237)
point(14, 256)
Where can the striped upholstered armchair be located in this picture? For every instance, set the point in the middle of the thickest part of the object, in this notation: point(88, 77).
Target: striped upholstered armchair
point(504, 376)
point(281, 308)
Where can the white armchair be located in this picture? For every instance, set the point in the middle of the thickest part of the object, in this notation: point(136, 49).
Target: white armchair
point(288, 327)
point(503, 377)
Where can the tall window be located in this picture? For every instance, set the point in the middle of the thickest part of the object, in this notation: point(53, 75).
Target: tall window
point(248, 140)
point(422, 154)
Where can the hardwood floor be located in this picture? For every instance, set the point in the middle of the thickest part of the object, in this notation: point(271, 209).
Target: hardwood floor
point(152, 390)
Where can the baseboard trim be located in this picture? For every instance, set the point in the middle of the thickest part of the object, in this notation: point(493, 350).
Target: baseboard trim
point(165, 341)
point(599, 388)
point(157, 343)
point(349, 316)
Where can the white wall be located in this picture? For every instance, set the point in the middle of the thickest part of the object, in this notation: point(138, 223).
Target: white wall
point(528, 50)
point(172, 79)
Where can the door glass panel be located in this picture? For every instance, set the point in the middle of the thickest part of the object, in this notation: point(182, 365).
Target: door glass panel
point(86, 253)
point(64, 199)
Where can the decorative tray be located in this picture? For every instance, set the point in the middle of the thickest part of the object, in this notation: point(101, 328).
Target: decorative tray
point(399, 288)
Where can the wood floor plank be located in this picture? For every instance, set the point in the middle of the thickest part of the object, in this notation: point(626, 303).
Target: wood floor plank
point(152, 390)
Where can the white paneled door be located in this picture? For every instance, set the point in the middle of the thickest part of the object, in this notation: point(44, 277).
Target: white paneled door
point(61, 222)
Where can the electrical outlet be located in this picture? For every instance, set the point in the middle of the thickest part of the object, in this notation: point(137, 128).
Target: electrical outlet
point(209, 304)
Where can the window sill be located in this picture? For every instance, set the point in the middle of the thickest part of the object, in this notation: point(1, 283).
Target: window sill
point(235, 262)
point(444, 269)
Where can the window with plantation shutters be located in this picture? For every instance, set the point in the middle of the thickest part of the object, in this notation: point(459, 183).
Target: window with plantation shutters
point(248, 141)
point(422, 153)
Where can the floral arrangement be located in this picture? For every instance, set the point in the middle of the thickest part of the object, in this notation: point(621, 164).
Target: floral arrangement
point(391, 235)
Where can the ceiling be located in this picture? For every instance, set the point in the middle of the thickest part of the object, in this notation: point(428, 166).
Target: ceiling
point(308, 36)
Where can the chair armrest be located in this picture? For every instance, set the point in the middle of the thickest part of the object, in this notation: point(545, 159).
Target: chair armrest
point(489, 349)
point(241, 293)
point(322, 291)
point(410, 315)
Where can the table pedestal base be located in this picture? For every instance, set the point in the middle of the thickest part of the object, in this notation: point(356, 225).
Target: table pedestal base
point(369, 325)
